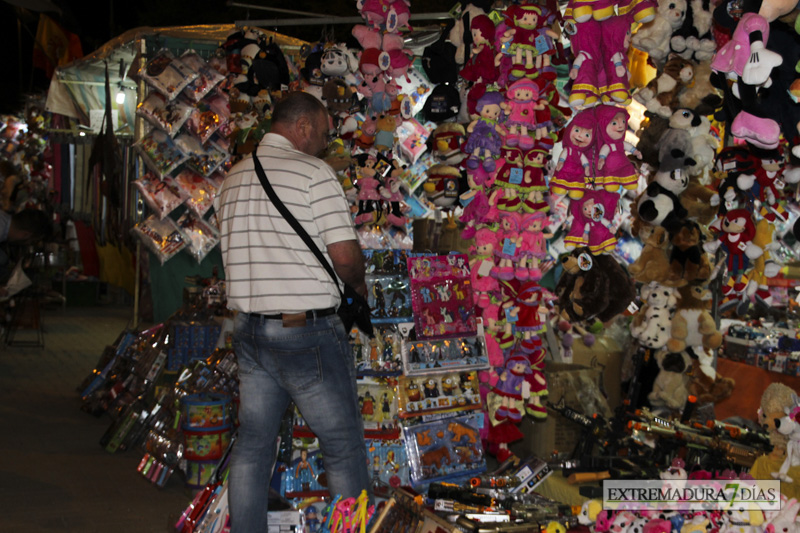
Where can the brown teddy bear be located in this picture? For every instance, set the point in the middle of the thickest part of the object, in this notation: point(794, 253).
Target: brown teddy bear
point(706, 384)
point(653, 262)
point(692, 324)
point(660, 96)
point(688, 261)
point(584, 290)
point(701, 202)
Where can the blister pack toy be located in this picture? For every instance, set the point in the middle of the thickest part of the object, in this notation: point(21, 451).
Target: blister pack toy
point(380, 355)
point(167, 74)
point(200, 235)
point(164, 114)
point(444, 355)
point(441, 296)
point(160, 153)
point(378, 404)
point(160, 195)
point(455, 391)
point(208, 77)
point(301, 477)
point(445, 449)
point(162, 237)
point(389, 294)
point(388, 462)
point(198, 191)
point(204, 160)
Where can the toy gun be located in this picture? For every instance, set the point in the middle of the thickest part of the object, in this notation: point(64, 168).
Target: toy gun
point(594, 427)
point(759, 439)
point(492, 481)
point(734, 452)
point(450, 491)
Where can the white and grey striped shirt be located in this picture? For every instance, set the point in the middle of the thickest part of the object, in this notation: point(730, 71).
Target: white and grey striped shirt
point(268, 267)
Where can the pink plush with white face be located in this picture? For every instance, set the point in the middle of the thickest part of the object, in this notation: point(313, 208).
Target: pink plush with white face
point(616, 128)
point(581, 137)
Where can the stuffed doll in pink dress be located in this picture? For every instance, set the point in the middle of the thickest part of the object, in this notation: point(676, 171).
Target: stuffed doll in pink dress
point(574, 167)
point(522, 101)
point(586, 73)
point(481, 264)
point(533, 246)
point(519, 39)
point(507, 251)
point(589, 221)
point(480, 67)
point(613, 168)
point(533, 182)
point(477, 210)
point(616, 38)
point(508, 178)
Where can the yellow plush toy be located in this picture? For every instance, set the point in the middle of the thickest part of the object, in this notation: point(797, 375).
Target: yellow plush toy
point(774, 399)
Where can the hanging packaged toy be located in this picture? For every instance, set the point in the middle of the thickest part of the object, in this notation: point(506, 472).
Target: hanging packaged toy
point(160, 153)
point(200, 235)
point(199, 192)
point(389, 294)
point(437, 393)
point(164, 114)
point(208, 116)
point(378, 405)
point(441, 294)
point(388, 462)
point(445, 449)
point(204, 160)
point(161, 196)
point(167, 74)
point(381, 354)
point(162, 237)
point(446, 355)
point(208, 77)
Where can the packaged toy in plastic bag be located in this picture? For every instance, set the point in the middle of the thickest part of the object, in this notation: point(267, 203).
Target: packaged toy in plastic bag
point(164, 114)
point(208, 116)
point(207, 78)
point(162, 237)
point(160, 195)
point(160, 153)
point(203, 160)
point(168, 74)
point(199, 192)
point(199, 234)
point(445, 449)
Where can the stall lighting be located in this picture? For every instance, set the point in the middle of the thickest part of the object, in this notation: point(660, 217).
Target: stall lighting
point(120, 97)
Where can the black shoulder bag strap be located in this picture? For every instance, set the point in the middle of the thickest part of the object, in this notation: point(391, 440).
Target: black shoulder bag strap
point(262, 177)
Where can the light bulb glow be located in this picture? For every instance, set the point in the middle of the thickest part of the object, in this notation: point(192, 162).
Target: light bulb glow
point(120, 97)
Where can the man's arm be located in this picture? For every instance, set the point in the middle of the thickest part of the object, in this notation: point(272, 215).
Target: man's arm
point(348, 262)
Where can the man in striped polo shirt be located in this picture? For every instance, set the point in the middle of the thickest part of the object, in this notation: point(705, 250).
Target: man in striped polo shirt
point(290, 343)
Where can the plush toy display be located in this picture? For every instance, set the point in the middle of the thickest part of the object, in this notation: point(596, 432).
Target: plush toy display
point(661, 96)
point(651, 325)
point(670, 389)
point(573, 168)
point(692, 324)
point(659, 204)
point(654, 37)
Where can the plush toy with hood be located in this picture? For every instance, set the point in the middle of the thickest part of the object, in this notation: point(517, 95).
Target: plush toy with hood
point(589, 221)
point(613, 168)
point(587, 73)
point(573, 168)
point(660, 96)
point(692, 324)
point(616, 39)
point(654, 37)
point(585, 292)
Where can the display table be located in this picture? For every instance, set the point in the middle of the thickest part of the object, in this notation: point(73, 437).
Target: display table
point(751, 381)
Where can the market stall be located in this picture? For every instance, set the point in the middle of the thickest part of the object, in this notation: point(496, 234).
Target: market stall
point(557, 209)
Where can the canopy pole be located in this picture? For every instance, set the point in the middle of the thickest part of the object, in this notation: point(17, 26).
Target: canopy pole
point(138, 133)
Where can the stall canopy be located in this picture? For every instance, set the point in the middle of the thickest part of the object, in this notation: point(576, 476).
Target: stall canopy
point(77, 89)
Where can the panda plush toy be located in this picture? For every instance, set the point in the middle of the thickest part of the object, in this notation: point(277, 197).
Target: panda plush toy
point(660, 205)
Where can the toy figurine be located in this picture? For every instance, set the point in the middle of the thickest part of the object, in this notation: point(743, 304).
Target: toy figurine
point(573, 170)
point(589, 222)
point(485, 133)
point(304, 472)
point(520, 106)
point(613, 167)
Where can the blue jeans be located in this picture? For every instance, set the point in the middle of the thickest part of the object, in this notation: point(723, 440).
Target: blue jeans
point(313, 366)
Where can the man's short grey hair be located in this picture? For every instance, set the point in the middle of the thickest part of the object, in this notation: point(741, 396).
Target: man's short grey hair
point(295, 105)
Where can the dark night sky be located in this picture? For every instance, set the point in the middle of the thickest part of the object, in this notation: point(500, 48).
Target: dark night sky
point(97, 21)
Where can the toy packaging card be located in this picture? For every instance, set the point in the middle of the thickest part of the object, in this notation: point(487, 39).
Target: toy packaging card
point(378, 403)
point(445, 449)
point(389, 294)
point(300, 478)
point(424, 395)
point(441, 295)
point(445, 355)
point(388, 462)
point(380, 355)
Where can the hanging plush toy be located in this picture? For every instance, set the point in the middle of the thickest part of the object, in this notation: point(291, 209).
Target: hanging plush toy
point(477, 210)
point(736, 239)
point(480, 67)
point(508, 179)
point(367, 183)
point(586, 72)
point(520, 107)
point(531, 315)
point(507, 252)
point(533, 181)
point(616, 39)
point(508, 389)
point(614, 169)
point(485, 132)
point(654, 37)
point(589, 222)
point(533, 246)
point(392, 196)
point(573, 170)
point(481, 265)
point(520, 39)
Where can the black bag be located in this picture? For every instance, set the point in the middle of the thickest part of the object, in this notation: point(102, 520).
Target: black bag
point(354, 308)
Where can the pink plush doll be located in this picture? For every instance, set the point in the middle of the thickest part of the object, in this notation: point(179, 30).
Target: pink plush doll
point(616, 40)
point(392, 197)
point(533, 182)
point(586, 73)
point(480, 67)
point(533, 246)
point(579, 11)
point(589, 222)
point(388, 15)
point(485, 132)
point(519, 39)
point(508, 179)
point(477, 209)
point(613, 168)
point(522, 101)
point(507, 251)
point(368, 195)
point(573, 169)
point(481, 265)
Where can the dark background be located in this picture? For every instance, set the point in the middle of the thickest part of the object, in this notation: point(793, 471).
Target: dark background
point(97, 21)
